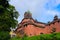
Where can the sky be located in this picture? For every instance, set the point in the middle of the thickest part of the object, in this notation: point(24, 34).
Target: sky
point(42, 10)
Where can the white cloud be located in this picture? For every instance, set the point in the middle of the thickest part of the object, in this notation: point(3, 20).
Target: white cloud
point(28, 4)
point(35, 6)
point(53, 13)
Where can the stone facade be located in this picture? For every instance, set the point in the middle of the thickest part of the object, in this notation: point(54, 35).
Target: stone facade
point(31, 27)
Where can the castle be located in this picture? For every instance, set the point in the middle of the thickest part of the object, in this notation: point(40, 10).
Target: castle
point(31, 27)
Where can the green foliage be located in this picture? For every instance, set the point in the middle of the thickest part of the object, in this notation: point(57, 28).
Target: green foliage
point(8, 18)
point(3, 5)
point(54, 36)
point(8, 15)
point(16, 38)
point(4, 36)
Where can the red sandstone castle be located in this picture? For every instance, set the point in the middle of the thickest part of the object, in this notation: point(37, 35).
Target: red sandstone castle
point(31, 27)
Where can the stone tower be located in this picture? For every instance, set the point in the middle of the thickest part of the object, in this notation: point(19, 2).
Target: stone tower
point(55, 17)
point(27, 15)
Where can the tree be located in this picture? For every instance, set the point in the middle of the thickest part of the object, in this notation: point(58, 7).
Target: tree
point(8, 17)
point(3, 5)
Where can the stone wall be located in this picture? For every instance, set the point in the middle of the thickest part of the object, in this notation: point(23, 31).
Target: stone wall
point(31, 27)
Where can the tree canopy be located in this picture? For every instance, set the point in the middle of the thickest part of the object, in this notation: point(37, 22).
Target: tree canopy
point(8, 18)
point(8, 15)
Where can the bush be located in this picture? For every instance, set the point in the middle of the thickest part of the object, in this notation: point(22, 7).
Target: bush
point(54, 36)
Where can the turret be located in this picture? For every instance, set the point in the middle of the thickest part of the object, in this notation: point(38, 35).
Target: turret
point(55, 18)
point(27, 14)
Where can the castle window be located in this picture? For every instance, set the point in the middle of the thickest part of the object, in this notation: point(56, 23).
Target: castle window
point(21, 32)
point(58, 21)
point(30, 34)
point(25, 25)
point(53, 29)
point(49, 24)
point(41, 33)
point(54, 23)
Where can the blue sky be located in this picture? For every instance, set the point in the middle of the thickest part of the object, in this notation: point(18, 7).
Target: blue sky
point(42, 10)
